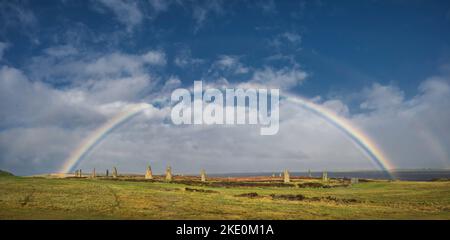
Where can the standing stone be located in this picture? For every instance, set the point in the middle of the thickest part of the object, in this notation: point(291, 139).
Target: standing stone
point(286, 176)
point(169, 173)
point(107, 172)
point(148, 173)
point(114, 174)
point(203, 175)
point(309, 173)
point(324, 176)
point(94, 174)
point(354, 180)
point(80, 173)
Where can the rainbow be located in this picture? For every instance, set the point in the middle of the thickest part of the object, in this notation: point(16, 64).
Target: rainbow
point(94, 138)
point(357, 136)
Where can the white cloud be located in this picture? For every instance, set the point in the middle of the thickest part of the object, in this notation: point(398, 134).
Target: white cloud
point(184, 59)
point(337, 106)
point(267, 6)
point(25, 103)
point(16, 15)
point(201, 12)
point(229, 63)
point(127, 12)
point(411, 131)
point(61, 51)
point(160, 5)
point(47, 123)
point(3, 47)
point(82, 68)
point(382, 97)
point(292, 37)
point(172, 83)
point(284, 78)
point(289, 39)
point(36, 150)
point(155, 58)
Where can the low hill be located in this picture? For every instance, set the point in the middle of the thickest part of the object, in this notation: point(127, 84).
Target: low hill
point(5, 173)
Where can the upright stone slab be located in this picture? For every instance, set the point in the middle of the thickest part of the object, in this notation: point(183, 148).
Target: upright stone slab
point(203, 175)
point(324, 176)
point(148, 173)
point(114, 174)
point(169, 174)
point(286, 176)
point(354, 180)
point(94, 175)
point(107, 173)
point(80, 173)
point(309, 173)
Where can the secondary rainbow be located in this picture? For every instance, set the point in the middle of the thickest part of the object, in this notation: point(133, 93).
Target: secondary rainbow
point(357, 136)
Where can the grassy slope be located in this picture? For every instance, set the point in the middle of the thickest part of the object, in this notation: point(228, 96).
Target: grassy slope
point(5, 173)
point(36, 198)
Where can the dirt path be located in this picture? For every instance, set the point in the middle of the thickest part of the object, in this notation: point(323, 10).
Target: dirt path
point(116, 204)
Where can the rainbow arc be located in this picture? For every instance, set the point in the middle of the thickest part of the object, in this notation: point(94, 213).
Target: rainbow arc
point(363, 141)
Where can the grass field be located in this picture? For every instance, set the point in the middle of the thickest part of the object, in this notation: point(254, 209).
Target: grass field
point(42, 198)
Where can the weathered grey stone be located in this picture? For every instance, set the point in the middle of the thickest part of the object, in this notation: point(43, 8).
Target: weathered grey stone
point(169, 174)
point(286, 176)
point(309, 173)
point(148, 173)
point(354, 180)
point(107, 173)
point(114, 174)
point(325, 176)
point(203, 175)
point(94, 175)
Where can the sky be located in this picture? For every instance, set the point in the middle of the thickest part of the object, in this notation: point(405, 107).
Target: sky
point(68, 66)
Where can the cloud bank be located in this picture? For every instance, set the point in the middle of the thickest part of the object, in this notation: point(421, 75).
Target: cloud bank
point(42, 124)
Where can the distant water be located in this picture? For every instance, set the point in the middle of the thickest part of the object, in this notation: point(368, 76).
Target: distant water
point(407, 175)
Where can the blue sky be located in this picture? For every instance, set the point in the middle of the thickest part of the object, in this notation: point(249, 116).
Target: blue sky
point(344, 45)
point(368, 60)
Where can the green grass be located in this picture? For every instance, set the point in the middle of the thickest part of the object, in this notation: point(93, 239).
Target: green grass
point(5, 173)
point(41, 198)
